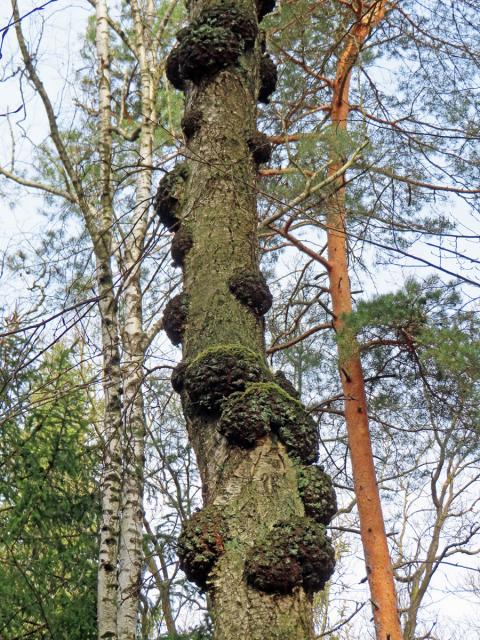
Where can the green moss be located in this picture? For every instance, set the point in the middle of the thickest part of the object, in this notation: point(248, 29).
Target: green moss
point(213, 41)
point(169, 195)
point(283, 382)
point(317, 493)
point(295, 552)
point(201, 543)
point(219, 371)
point(295, 428)
point(246, 416)
point(264, 408)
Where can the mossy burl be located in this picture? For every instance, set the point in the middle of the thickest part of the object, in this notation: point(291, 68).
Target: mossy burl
point(260, 147)
point(169, 196)
point(201, 543)
point(268, 79)
point(217, 372)
point(246, 416)
point(191, 122)
point(175, 318)
point(318, 495)
point(251, 289)
point(181, 244)
point(213, 41)
point(294, 552)
point(264, 408)
point(178, 376)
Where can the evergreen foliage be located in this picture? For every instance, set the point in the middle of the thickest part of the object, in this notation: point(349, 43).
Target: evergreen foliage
point(48, 507)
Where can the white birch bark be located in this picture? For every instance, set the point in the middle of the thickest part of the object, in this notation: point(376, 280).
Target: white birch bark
point(131, 528)
point(112, 379)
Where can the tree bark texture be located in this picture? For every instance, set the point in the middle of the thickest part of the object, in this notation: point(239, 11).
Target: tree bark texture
point(112, 378)
point(131, 557)
point(252, 488)
point(372, 528)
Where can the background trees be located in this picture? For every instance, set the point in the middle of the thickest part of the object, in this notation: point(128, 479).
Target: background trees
point(49, 500)
point(413, 98)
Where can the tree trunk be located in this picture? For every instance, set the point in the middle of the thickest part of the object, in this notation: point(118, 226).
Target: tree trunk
point(131, 530)
point(372, 528)
point(112, 378)
point(249, 488)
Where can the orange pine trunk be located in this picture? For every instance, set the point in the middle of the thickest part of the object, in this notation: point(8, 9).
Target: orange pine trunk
point(372, 528)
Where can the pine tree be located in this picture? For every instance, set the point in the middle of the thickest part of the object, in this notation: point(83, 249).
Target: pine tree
point(49, 503)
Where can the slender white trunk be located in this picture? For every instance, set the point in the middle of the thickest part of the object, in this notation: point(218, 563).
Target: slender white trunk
point(131, 533)
point(112, 379)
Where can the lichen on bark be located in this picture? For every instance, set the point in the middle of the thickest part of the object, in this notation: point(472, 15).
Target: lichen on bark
point(264, 408)
point(200, 544)
point(213, 41)
point(218, 372)
point(294, 552)
point(253, 481)
point(317, 493)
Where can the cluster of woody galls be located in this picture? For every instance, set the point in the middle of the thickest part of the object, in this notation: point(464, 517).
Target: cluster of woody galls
point(229, 385)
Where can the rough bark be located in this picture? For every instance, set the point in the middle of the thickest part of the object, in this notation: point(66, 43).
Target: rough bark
point(372, 528)
point(256, 487)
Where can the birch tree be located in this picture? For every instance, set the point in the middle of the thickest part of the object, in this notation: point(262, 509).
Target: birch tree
point(118, 225)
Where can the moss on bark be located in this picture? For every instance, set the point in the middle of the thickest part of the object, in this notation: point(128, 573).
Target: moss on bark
point(213, 41)
point(317, 493)
point(201, 543)
point(295, 552)
point(281, 379)
point(254, 484)
point(264, 408)
point(218, 372)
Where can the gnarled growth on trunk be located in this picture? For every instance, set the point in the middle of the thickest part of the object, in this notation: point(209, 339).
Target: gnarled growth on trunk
point(249, 434)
